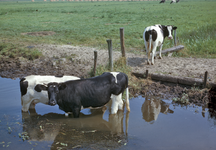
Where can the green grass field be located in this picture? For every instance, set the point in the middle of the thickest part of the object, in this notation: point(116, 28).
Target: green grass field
point(92, 23)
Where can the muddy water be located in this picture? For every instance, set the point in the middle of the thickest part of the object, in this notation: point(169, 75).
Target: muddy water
point(152, 124)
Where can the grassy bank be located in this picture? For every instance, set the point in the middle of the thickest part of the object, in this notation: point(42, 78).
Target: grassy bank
point(92, 23)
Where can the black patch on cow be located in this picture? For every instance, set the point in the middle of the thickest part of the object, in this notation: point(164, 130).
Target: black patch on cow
point(62, 86)
point(164, 30)
point(59, 76)
point(40, 87)
point(162, 1)
point(23, 86)
point(151, 32)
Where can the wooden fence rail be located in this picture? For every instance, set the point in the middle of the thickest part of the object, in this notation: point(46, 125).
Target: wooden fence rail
point(177, 80)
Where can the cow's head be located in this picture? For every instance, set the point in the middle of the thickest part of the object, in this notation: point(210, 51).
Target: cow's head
point(168, 30)
point(53, 89)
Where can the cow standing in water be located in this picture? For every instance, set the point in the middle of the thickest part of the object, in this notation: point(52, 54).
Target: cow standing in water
point(154, 37)
point(30, 89)
point(95, 92)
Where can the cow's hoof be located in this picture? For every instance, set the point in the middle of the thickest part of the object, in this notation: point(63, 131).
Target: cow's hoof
point(24, 111)
point(152, 63)
point(160, 57)
point(148, 63)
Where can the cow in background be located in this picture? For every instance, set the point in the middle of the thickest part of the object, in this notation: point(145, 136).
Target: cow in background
point(162, 1)
point(154, 37)
point(174, 1)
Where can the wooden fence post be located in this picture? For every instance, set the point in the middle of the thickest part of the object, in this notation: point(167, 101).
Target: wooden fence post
point(122, 41)
point(95, 62)
point(109, 42)
point(146, 75)
point(205, 79)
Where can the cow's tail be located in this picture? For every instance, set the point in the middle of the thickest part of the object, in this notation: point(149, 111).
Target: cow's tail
point(127, 99)
point(150, 41)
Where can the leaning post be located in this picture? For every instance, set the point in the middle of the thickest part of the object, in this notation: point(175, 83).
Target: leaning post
point(122, 44)
point(205, 79)
point(95, 62)
point(109, 42)
point(122, 41)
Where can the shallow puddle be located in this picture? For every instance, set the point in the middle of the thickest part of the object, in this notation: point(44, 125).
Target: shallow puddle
point(152, 124)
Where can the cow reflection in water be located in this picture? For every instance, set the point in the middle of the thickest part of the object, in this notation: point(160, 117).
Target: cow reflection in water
point(212, 103)
point(87, 131)
point(152, 107)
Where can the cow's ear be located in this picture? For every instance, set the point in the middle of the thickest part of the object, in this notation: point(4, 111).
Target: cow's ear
point(174, 28)
point(62, 86)
point(40, 87)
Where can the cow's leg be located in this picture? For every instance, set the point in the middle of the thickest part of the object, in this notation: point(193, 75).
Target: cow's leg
point(76, 111)
point(148, 62)
point(127, 99)
point(114, 107)
point(120, 101)
point(160, 57)
point(32, 105)
point(147, 52)
point(25, 105)
point(153, 54)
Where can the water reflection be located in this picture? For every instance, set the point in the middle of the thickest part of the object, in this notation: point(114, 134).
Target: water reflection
point(151, 108)
point(87, 131)
point(212, 104)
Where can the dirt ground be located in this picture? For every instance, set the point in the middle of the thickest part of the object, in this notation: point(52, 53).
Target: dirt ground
point(78, 61)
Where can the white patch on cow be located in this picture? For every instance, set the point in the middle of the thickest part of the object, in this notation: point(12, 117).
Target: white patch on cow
point(115, 75)
point(117, 103)
point(169, 28)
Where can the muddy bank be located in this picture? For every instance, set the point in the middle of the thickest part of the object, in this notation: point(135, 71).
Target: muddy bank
point(78, 61)
point(19, 67)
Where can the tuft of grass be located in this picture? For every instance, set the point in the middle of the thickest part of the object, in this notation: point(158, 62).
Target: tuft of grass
point(184, 99)
point(13, 51)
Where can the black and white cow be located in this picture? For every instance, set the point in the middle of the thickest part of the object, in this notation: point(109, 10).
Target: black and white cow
point(162, 1)
point(72, 96)
point(174, 1)
point(30, 89)
point(154, 37)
